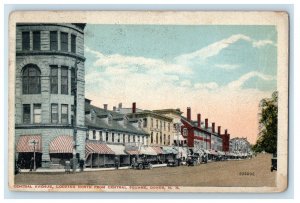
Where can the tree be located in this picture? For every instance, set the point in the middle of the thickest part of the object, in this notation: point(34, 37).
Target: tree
point(268, 119)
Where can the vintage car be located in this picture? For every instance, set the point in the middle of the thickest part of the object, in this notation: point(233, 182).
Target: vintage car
point(142, 164)
point(192, 160)
point(274, 163)
point(174, 162)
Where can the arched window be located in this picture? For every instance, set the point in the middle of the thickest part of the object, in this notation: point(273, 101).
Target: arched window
point(31, 79)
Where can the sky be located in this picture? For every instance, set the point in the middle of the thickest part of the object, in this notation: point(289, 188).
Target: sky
point(219, 71)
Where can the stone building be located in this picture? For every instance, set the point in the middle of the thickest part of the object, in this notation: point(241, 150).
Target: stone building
point(46, 58)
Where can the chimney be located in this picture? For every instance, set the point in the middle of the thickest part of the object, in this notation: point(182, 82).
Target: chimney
point(133, 107)
point(105, 106)
point(206, 123)
point(120, 105)
point(213, 127)
point(219, 130)
point(114, 108)
point(188, 113)
point(199, 120)
point(226, 132)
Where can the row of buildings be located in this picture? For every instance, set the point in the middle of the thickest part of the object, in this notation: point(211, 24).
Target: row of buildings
point(54, 122)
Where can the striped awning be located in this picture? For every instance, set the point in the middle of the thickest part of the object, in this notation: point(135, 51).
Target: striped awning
point(148, 151)
point(61, 144)
point(29, 143)
point(132, 152)
point(158, 150)
point(117, 149)
point(97, 148)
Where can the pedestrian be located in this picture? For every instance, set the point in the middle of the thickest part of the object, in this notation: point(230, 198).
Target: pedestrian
point(133, 162)
point(31, 163)
point(67, 166)
point(116, 162)
point(81, 164)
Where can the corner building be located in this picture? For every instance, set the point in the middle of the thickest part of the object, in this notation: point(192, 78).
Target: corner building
point(46, 57)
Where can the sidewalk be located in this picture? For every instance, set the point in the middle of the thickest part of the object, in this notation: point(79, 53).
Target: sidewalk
point(47, 170)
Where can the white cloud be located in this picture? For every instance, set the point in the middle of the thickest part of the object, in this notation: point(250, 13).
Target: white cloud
point(134, 64)
point(228, 66)
point(215, 48)
point(262, 43)
point(239, 82)
point(210, 85)
point(212, 49)
point(186, 83)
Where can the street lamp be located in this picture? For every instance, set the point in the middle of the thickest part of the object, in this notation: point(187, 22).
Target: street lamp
point(34, 164)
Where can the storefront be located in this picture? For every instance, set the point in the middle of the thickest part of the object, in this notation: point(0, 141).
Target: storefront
point(99, 155)
point(60, 150)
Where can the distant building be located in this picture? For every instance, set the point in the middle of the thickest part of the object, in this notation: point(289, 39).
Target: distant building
point(46, 57)
point(198, 136)
point(108, 135)
point(158, 126)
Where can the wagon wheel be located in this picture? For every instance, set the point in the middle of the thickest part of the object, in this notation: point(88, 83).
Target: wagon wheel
point(140, 166)
point(150, 166)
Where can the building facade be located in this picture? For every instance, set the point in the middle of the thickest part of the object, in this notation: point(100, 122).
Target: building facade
point(158, 126)
point(47, 57)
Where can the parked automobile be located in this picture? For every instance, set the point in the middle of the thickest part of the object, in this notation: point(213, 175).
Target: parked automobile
point(192, 160)
point(174, 162)
point(142, 164)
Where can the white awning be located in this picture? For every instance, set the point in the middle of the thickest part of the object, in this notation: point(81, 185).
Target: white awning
point(118, 149)
point(148, 151)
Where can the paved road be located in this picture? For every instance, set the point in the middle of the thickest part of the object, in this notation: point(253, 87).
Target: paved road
point(254, 172)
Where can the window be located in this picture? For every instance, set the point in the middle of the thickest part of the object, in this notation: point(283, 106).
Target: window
point(64, 113)
point(151, 137)
point(26, 113)
point(100, 134)
point(73, 43)
point(94, 134)
point(169, 139)
point(31, 79)
point(156, 123)
point(72, 114)
point(106, 137)
point(64, 41)
point(118, 137)
point(36, 45)
point(160, 124)
point(73, 84)
point(169, 128)
point(164, 125)
point(151, 122)
point(53, 41)
point(139, 139)
point(160, 138)
point(54, 113)
point(128, 138)
point(37, 113)
point(133, 138)
point(25, 41)
point(123, 138)
point(185, 132)
point(164, 139)
point(157, 138)
point(54, 80)
point(113, 137)
point(145, 122)
point(64, 80)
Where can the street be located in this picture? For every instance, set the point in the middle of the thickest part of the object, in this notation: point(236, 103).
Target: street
point(241, 173)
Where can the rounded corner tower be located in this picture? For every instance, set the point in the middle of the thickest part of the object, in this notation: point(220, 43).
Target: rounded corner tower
point(47, 57)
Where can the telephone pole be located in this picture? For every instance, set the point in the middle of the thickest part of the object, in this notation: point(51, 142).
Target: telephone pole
point(74, 120)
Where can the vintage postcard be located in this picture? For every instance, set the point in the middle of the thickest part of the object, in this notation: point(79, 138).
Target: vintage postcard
point(126, 101)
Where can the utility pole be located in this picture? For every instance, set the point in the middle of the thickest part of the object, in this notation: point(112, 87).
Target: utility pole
point(34, 163)
point(74, 121)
